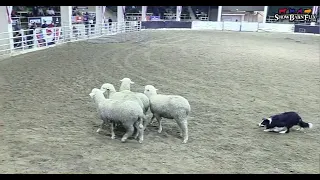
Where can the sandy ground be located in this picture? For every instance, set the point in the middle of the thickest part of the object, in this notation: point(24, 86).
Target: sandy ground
point(232, 79)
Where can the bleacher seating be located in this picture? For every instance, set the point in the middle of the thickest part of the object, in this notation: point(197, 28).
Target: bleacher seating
point(200, 11)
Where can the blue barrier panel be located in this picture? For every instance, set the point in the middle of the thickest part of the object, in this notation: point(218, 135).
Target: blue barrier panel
point(177, 24)
point(166, 24)
point(307, 29)
point(153, 24)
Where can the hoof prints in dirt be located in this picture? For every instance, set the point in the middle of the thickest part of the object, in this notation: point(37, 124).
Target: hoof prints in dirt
point(218, 72)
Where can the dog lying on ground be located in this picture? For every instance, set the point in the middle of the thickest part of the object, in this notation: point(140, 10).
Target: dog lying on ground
point(282, 123)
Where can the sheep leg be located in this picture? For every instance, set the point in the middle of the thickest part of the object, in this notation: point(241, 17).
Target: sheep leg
point(113, 136)
point(151, 120)
point(103, 123)
point(136, 128)
point(159, 121)
point(139, 132)
point(129, 132)
point(183, 124)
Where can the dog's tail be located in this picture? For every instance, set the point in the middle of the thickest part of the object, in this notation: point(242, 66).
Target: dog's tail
point(304, 124)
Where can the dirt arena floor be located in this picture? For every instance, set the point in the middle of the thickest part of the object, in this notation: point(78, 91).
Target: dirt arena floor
point(48, 122)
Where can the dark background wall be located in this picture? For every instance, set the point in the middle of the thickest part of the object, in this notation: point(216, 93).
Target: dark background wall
point(165, 24)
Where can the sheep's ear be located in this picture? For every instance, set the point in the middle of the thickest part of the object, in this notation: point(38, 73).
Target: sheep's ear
point(103, 90)
point(121, 80)
point(156, 89)
point(131, 82)
point(91, 94)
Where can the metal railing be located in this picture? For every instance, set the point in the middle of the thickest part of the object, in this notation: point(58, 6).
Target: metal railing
point(23, 41)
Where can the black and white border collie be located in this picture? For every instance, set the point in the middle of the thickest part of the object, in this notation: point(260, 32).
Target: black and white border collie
point(282, 123)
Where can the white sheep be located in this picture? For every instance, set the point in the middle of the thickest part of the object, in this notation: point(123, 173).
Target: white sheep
point(111, 93)
point(170, 107)
point(123, 95)
point(125, 86)
point(128, 113)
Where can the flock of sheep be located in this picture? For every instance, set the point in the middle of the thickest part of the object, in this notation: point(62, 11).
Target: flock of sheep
point(129, 109)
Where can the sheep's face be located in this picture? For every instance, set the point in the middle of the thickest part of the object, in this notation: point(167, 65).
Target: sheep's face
point(150, 90)
point(127, 81)
point(93, 92)
point(108, 87)
point(265, 122)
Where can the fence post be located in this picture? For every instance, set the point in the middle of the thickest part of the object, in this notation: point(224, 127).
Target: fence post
point(22, 39)
point(55, 35)
point(71, 32)
point(89, 30)
point(35, 41)
point(45, 36)
point(222, 25)
point(102, 28)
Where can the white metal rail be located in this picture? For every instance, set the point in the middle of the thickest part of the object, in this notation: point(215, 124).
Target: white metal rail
point(27, 40)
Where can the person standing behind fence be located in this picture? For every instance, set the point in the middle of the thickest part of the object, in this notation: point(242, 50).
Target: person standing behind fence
point(35, 10)
point(40, 11)
point(86, 22)
point(90, 20)
point(32, 27)
point(110, 23)
point(44, 25)
point(17, 40)
point(50, 12)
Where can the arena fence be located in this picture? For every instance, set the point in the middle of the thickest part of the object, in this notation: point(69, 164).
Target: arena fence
point(31, 40)
point(232, 26)
point(303, 28)
point(256, 27)
point(28, 40)
point(243, 26)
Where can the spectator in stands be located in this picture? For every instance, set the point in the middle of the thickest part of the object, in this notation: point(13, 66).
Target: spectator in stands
point(35, 10)
point(30, 14)
point(51, 25)
point(40, 11)
point(17, 40)
point(197, 13)
point(86, 22)
point(32, 27)
point(14, 13)
point(91, 23)
point(15, 27)
point(110, 21)
point(50, 12)
point(44, 25)
point(86, 18)
point(76, 32)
